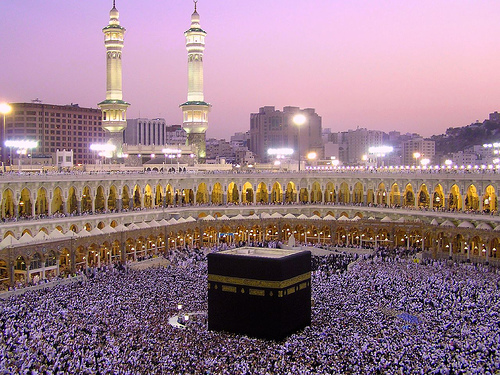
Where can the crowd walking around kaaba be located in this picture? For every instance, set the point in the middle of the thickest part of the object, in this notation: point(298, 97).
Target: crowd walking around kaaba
point(117, 321)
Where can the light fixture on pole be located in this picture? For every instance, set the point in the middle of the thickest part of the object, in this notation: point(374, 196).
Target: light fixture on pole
point(5, 108)
point(299, 120)
point(416, 155)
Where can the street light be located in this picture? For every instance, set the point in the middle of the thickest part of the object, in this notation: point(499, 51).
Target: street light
point(416, 155)
point(299, 120)
point(5, 108)
point(21, 146)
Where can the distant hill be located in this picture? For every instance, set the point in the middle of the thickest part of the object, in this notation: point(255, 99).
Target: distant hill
point(459, 139)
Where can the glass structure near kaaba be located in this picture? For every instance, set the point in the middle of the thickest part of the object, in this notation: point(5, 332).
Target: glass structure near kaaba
point(259, 292)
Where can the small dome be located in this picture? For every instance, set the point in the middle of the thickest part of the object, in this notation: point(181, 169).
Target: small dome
point(484, 226)
point(195, 18)
point(114, 15)
point(447, 223)
point(466, 224)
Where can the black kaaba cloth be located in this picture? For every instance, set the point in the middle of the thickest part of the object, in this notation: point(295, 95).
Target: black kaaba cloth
point(259, 292)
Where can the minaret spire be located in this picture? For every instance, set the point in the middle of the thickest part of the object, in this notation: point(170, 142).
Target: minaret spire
point(114, 108)
point(195, 110)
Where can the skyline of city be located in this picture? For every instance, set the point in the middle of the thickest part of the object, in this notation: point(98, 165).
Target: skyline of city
point(417, 67)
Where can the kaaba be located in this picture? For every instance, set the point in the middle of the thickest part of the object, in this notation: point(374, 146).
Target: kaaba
point(259, 292)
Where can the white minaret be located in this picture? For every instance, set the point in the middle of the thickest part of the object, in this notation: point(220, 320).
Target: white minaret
point(114, 109)
point(195, 110)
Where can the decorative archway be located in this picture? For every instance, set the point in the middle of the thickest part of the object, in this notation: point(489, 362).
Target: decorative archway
point(57, 205)
point(276, 193)
point(316, 195)
point(247, 193)
point(290, 193)
point(217, 194)
point(262, 195)
point(202, 194)
point(233, 194)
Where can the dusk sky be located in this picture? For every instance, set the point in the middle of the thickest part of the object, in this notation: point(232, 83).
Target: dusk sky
point(413, 66)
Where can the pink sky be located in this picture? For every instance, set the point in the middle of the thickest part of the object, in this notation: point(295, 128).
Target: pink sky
point(413, 66)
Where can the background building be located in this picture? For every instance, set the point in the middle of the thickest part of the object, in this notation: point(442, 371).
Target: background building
point(271, 128)
point(153, 132)
point(67, 127)
point(417, 149)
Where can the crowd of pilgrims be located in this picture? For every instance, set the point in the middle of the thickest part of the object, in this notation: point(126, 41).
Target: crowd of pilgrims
point(117, 321)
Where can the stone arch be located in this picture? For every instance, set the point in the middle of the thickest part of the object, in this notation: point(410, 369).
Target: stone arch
point(137, 197)
point(455, 198)
point(51, 259)
point(7, 204)
point(423, 196)
point(291, 193)
point(42, 203)
point(247, 193)
point(72, 204)
point(188, 196)
point(86, 200)
point(299, 233)
point(409, 196)
point(370, 197)
point(271, 232)
point(4, 272)
point(20, 269)
point(99, 199)
point(25, 205)
point(494, 248)
point(126, 198)
point(262, 195)
point(477, 246)
point(233, 193)
point(169, 195)
point(489, 199)
point(209, 236)
point(217, 196)
point(57, 204)
point(381, 194)
point(316, 196)
point(438, 197)
point(344, 195)
point(148, 196)
point(202, 194)
point(325, 235)
point(330, 195)
point(276, 193)
point(112, 198)
point(357, 193)
point(312, 234)
point(159, 201)
point(395, 196)
point(471, 199)
point(303, 195)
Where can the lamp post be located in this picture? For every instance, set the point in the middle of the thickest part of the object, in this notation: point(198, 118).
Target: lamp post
point(4, 109)
point(311, 156)
point(299, 120)
point(416, 155)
